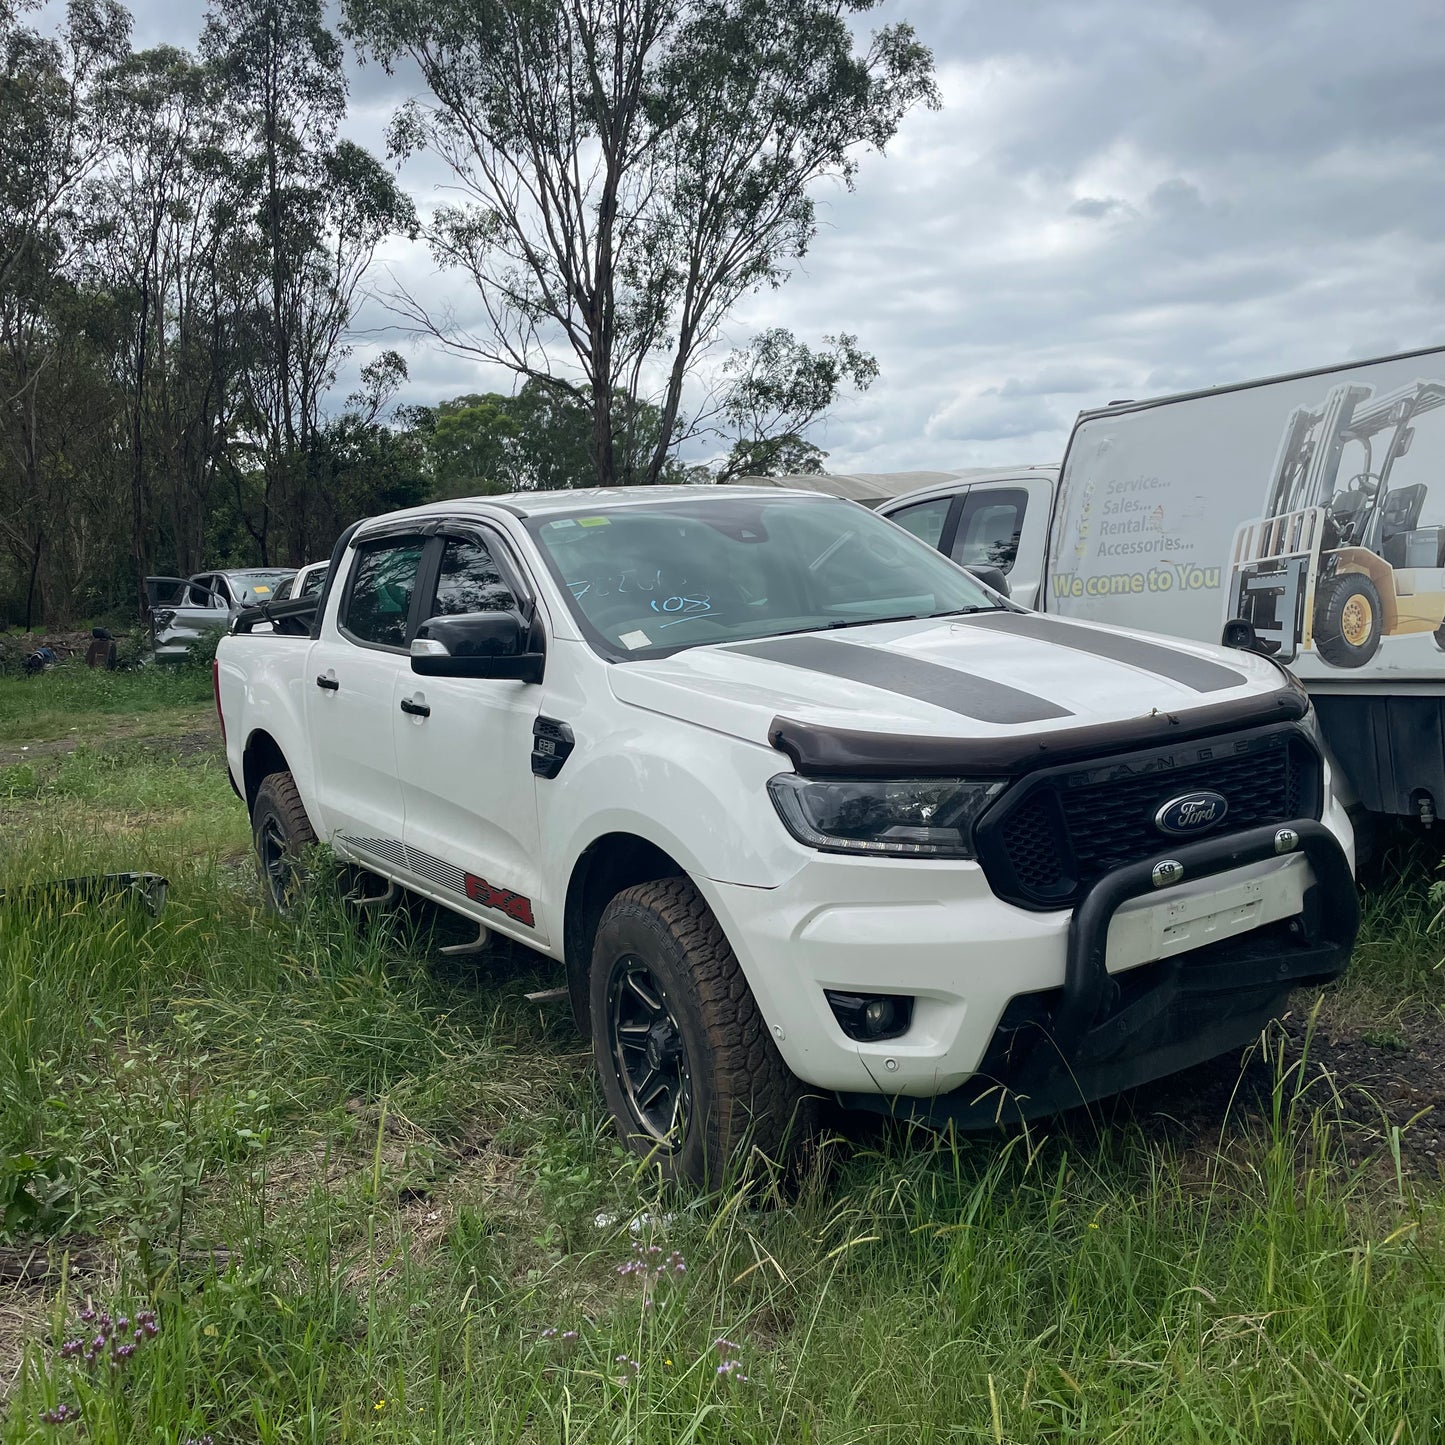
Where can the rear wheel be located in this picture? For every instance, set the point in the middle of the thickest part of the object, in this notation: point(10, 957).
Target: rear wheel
point(1348, 620)
point(689, 1069)
point(281, 832)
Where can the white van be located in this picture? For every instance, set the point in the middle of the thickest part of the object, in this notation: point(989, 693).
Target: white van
point(1310, 507)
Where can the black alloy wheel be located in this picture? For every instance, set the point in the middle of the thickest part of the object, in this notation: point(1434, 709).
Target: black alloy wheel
point(648, 1052)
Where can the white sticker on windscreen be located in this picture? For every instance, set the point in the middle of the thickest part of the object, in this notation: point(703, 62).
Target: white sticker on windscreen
point(634, 640)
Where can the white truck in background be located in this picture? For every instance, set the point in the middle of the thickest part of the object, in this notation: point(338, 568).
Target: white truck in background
point(796, 804)
point(1309, 507)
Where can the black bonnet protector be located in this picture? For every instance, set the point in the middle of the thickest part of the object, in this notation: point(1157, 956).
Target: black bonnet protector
point(824, 752)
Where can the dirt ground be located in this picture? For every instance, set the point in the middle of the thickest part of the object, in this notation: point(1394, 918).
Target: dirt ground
point(1370, 1082)
point(138, 733)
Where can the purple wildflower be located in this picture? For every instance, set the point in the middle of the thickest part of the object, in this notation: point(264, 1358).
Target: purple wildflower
point(60, 1415)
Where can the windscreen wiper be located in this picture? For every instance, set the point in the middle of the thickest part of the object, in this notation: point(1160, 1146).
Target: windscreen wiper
point(907, 617)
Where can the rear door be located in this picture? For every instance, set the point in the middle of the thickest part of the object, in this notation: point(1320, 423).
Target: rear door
point(464, 748)
point(352, 683)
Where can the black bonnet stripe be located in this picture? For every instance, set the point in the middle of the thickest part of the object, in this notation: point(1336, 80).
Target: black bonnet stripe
point(1158, 658)
point(945, 687)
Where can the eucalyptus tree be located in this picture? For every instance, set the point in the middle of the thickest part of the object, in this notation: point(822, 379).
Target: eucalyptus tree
point(628, 171)
point(310, 210)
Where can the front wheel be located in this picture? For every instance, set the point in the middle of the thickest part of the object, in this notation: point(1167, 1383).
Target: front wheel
point(1348, 620)
point(281, 832)
point(689, 1069)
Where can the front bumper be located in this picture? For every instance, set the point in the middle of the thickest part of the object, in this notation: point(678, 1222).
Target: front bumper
point(1100, 1034)
point(934, 931)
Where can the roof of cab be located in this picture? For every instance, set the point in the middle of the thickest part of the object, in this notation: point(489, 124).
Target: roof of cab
point(576, 499)
point(540, 504)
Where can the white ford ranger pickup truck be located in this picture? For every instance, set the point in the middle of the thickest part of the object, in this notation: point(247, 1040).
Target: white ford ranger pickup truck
point(801, 807)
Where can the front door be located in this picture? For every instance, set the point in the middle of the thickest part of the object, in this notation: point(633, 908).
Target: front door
point(463, 751)
point(356, 668)
point(1004, 525)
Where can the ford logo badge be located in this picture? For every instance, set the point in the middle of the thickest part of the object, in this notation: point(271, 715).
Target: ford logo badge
point(1193, 813)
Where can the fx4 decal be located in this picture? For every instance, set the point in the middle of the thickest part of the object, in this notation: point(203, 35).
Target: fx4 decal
point(514, 905)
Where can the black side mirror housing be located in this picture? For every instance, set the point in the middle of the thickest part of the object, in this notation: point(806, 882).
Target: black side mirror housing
point(991, 577)
point(1239, 633)
point(477, 644)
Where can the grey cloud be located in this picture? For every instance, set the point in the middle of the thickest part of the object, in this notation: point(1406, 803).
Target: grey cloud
point(1095, 208)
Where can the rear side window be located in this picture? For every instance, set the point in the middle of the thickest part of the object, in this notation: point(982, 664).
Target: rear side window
point(378, 604)
point(924, 519)
point(314, 583)
point(468, 581)
point(989, 528)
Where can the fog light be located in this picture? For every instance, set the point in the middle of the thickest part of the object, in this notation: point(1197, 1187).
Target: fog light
point(869, 1017)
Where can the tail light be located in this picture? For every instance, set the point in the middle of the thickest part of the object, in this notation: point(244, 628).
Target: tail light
point(216, 687)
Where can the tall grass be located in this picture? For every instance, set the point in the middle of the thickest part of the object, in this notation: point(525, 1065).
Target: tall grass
point(371, 1195)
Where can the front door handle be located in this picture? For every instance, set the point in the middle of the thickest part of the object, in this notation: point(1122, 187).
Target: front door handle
point(414, 709)
point(328, 684)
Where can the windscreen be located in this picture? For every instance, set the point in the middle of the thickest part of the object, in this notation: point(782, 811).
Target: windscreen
point(652, 579)
point(258, 586)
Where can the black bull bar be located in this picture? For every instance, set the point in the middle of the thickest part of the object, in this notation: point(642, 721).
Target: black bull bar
point(1102, 1033)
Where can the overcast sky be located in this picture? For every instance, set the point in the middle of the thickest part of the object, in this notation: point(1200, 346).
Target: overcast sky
point(1119, 198)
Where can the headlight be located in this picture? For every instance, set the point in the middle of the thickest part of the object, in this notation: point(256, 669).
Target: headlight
point(917, 817)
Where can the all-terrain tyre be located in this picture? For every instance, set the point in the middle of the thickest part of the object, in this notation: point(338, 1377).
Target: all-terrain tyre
point(1348, 620)
point(689, 1068)
point(282, 833)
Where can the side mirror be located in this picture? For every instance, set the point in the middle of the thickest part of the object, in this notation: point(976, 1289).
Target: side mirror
point(477, 644)
point(1239, 633)
point(991, 577)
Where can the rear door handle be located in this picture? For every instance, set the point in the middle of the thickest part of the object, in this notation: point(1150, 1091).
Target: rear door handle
point(329, 684)
point(414, 709)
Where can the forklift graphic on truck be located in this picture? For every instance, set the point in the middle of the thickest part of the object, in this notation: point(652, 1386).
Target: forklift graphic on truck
point(1340, 560)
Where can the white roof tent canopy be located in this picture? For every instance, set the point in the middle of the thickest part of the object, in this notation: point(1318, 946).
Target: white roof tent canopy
point(870, 488)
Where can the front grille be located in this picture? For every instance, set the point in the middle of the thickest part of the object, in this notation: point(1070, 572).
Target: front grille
point(1056, 832)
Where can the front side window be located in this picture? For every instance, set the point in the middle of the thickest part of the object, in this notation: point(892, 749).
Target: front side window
point(468, 581)
point(649, 579)
point(924, 519)
point(989, 528)
point(379, 603)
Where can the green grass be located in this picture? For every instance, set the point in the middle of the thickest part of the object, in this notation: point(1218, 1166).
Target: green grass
point(73, 700)
point(359, 1184)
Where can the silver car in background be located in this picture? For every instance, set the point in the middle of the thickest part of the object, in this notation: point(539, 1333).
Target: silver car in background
point(182, 609)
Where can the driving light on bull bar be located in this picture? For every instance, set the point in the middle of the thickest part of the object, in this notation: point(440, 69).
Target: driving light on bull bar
point(910, 817)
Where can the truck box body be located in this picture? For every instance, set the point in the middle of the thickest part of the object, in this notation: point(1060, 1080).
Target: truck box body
point(1312, 506)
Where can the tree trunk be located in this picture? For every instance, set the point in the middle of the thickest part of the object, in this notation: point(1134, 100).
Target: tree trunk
point(30, 590)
